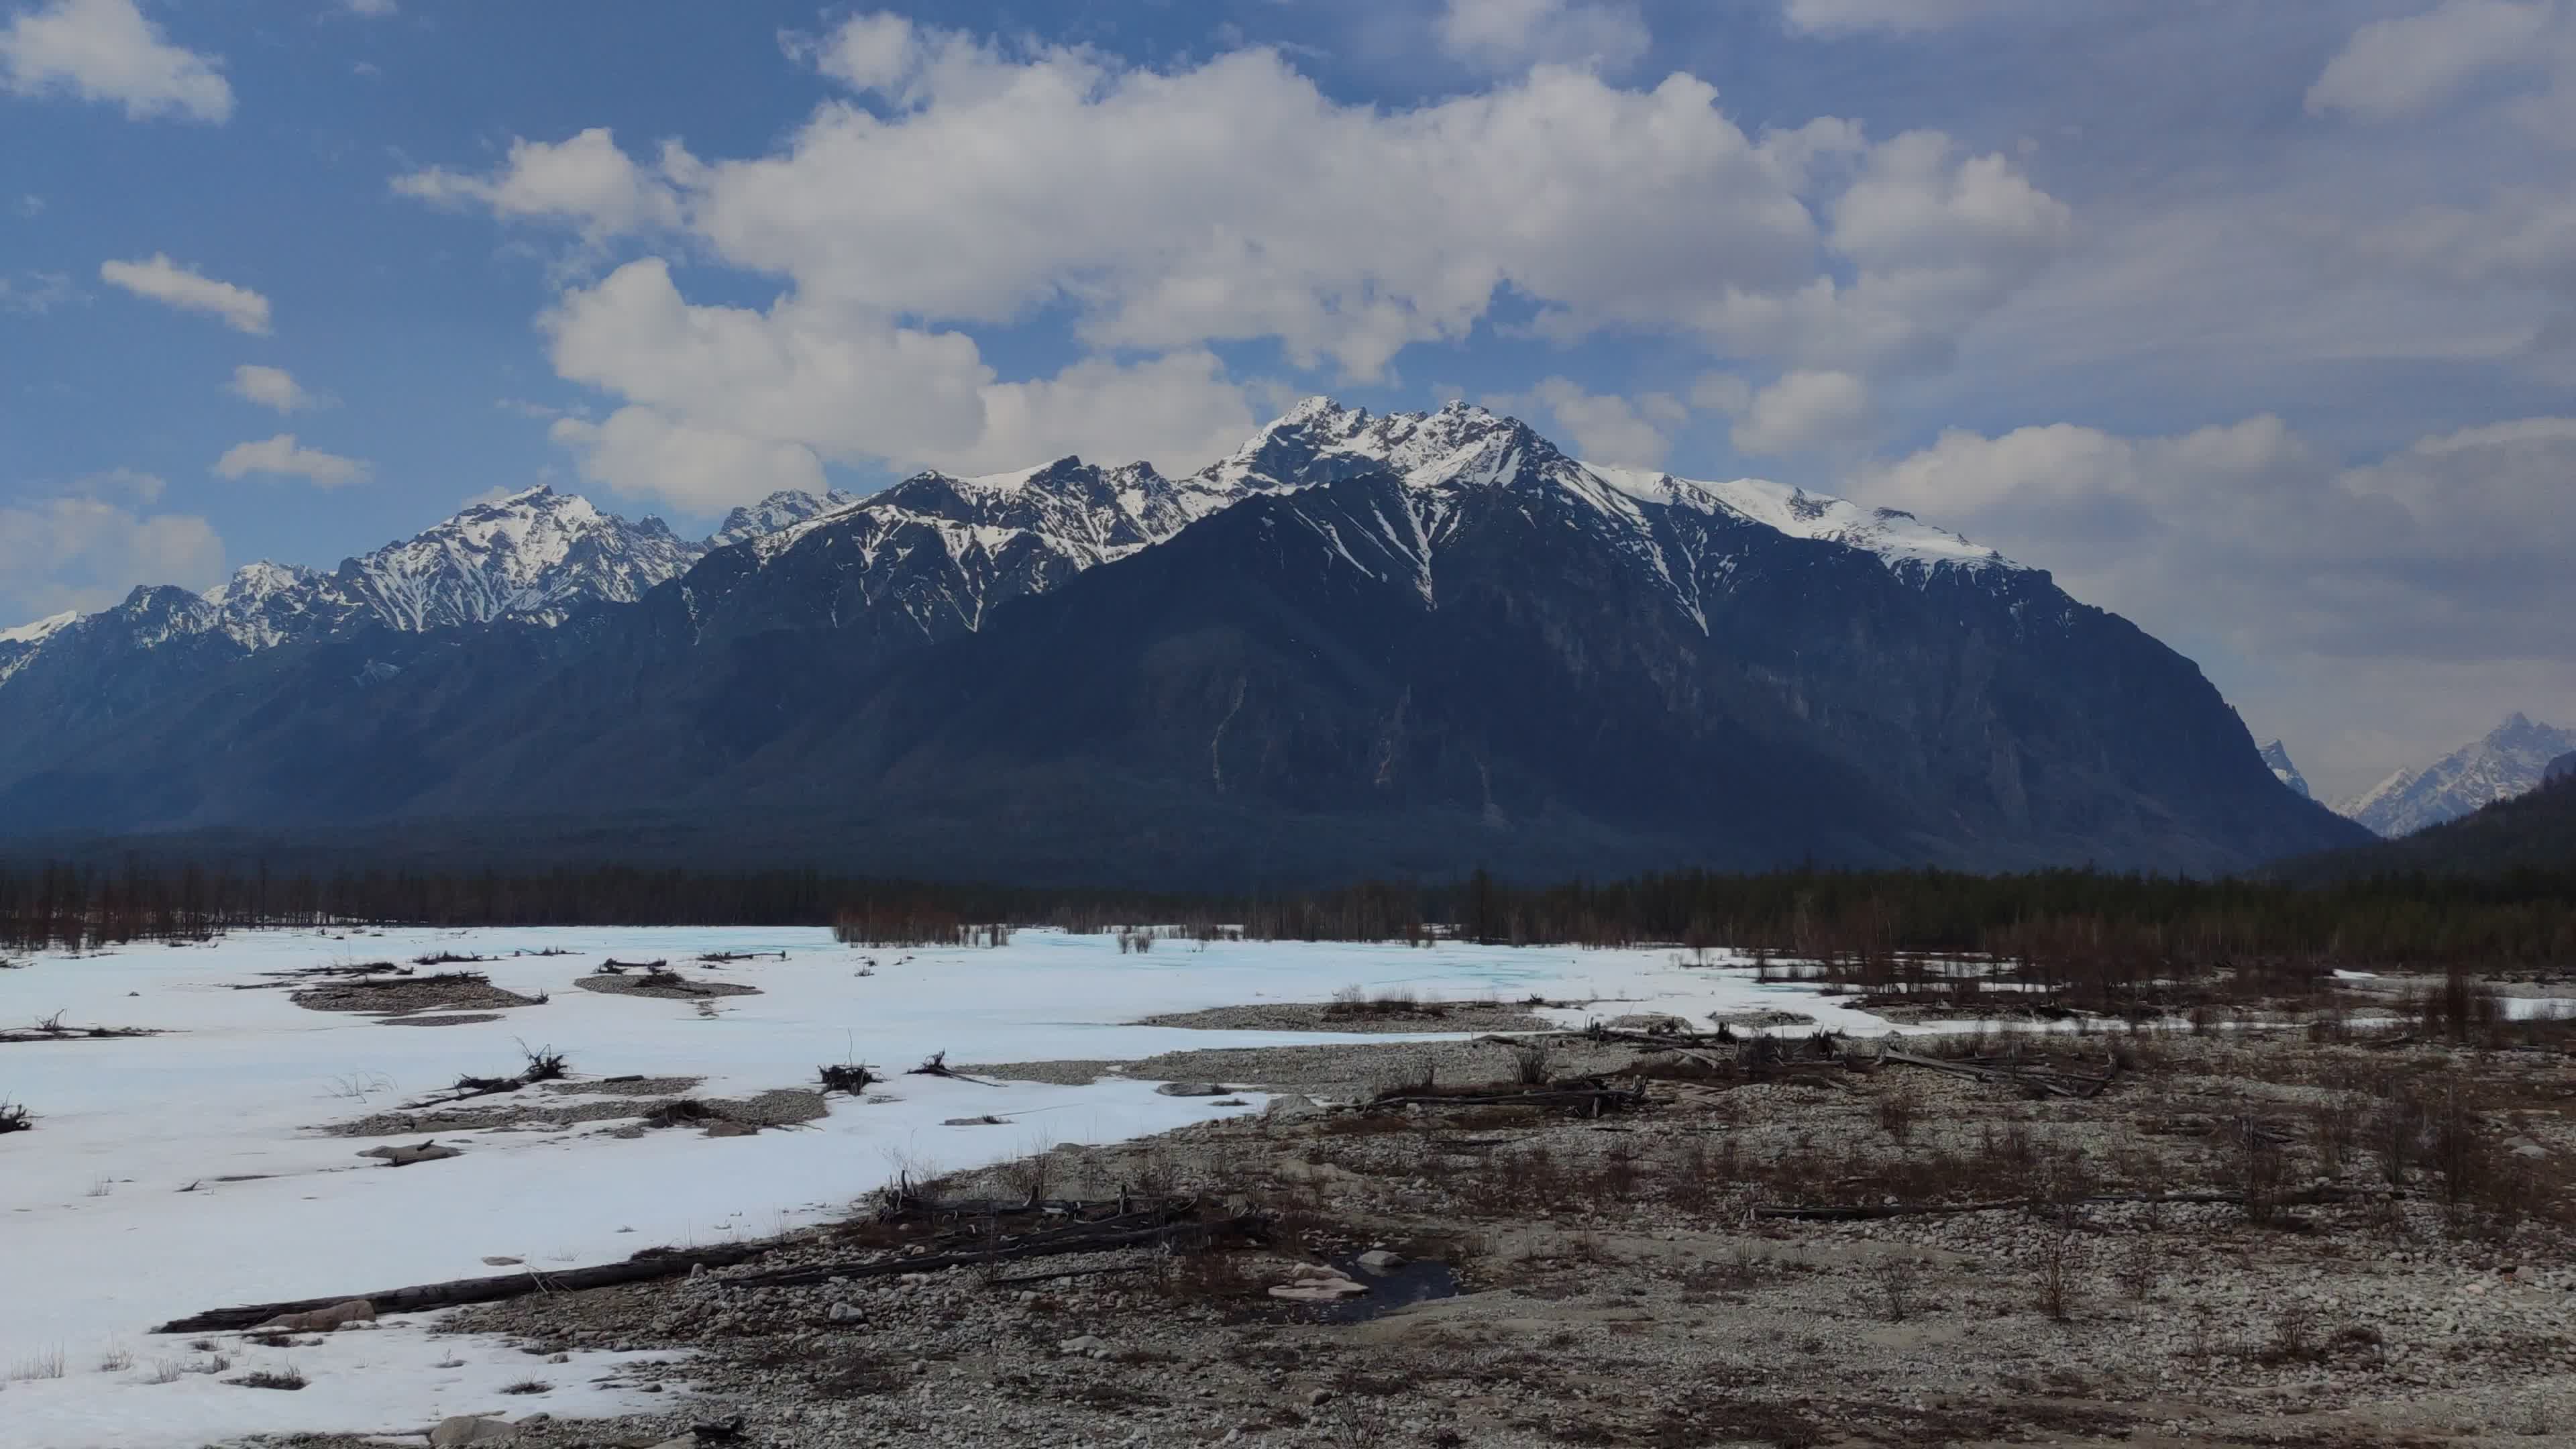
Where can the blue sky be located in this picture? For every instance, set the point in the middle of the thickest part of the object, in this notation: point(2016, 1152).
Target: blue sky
point(2256, 323)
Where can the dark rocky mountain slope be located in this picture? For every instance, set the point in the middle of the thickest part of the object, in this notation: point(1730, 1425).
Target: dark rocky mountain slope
point(1413, 644)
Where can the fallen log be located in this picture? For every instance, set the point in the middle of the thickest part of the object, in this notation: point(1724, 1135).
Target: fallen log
point(644, 1267)
point(936, 1065)
point(1045, 1247)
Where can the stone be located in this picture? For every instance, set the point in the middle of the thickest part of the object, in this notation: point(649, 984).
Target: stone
point(325, 1320)
point(1289, 1106)
point(731, 1129)
point(1379, 1260)
point(463, 1429)
point(1192, 1089)
point(1086, 1343)
point(406, 1156)
point(846, 1313)
point(500, 1262)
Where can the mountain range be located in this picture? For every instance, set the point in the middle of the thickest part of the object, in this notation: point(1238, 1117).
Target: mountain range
point(1401, 644)
point(2507, 761)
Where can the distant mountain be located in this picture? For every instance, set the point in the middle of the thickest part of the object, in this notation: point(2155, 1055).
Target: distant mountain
point(1401, 644)
point(2277, 756)
point(2532, 832)
point(2508, 761)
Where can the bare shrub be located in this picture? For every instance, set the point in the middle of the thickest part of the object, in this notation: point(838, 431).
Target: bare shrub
point(47, 1365)
point(166, 1371)
point(1896, 1109)
point(1893, 1276)
point(528, 1386)
point(14, 1118)
point(1531, 1062)
point(2141, 1265)
point(2061, 1267)
point(115, 1361)
point(285, 1378)
point(2259, 1168)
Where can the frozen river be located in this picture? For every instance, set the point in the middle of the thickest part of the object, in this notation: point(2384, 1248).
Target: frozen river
point(101, 1242)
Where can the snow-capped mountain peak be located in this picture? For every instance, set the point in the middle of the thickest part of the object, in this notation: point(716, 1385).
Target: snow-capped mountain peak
point(2508, 760)
point(783, 509)
point(1464, 445)
point(2276, 757)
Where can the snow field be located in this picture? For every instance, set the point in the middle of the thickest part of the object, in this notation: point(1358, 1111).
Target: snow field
point(117, 1212)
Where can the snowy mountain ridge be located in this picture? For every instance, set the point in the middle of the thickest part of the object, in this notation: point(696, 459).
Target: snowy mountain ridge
point(940, 549)
point(2509, 760)
point(2276, 756)
point(530, 555)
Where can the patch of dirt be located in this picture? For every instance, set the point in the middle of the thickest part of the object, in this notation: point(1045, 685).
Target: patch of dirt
point(624, 1087)
point(1071, 1073)
point(664, 986)
point(785, 1107)
point(1416, 1017)
point(468, 1019)
point(410, 996)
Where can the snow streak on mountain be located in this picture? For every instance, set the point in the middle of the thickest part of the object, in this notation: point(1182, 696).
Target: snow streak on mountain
point(2510, 760)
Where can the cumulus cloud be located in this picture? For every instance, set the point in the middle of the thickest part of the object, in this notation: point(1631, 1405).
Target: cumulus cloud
point(163, 280)
point(272, 387)
point(1510, 34)
point(2392, 69)
point(726, 404)
point(84, 550)
point(586, 181)
point(105, 50)
point(1839, 17)
point(1802, 410)
point(281, 455)
point(2253, 537)
point(1233, 201)
point(1600, 427)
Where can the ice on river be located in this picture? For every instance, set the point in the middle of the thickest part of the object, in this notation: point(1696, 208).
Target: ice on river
point(101, 1242)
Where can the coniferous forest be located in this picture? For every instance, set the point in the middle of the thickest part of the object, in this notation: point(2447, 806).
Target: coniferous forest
point(2526, 918)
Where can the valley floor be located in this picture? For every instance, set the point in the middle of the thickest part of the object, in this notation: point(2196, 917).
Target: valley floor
point(2376, 1250)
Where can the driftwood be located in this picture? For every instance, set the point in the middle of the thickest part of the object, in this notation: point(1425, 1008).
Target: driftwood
point(2053, 1080)
point(1873, 1211)
point(1592, 1096)
point(644, 1267)
point(1083, 1239)
point(936, 1065)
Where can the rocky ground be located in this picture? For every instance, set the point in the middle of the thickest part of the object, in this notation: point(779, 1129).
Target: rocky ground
point(2379, 1256)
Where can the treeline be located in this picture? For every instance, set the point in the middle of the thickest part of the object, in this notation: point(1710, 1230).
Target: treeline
point(2526, 918)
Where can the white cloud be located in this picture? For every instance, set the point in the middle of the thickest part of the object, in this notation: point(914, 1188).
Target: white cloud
point(1234, 201)
point(726, 404)
point(1838, 17)
point(2452, 548)
point(105, 50)
point(282, 456)
point(371, 9)
point(163, 280)
point(586, 181)
point(272, 387)
point(1512, 34)
point(84, 551)
point(37, 293)
point(1802, 410)
point(2392, 69)
point(1602, 428)
point(31, 204)
point(2316, 593)
point(131, 484)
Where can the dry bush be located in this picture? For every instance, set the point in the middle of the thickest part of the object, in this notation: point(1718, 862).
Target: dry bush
point(1530, 1063)
point(285, 1378)
point(115, 1361)
point(2061, 1269)
point(2260, 1169)
point(1897, 1105)
point(1893, 1276)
